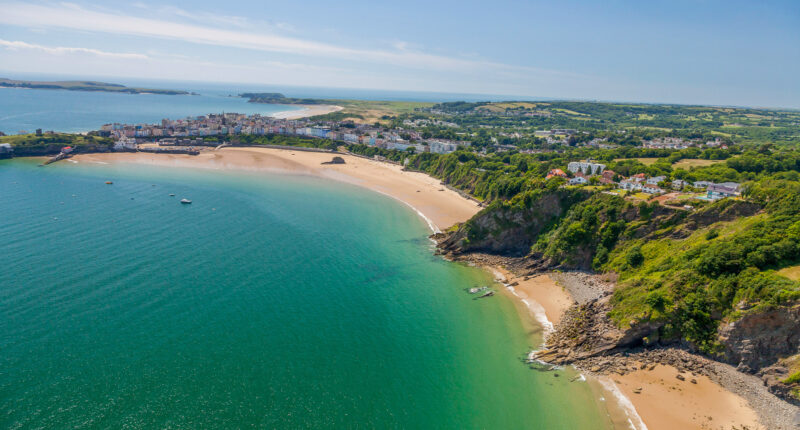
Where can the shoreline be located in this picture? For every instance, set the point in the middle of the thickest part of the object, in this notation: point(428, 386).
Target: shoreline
point(306, 111)
point(544, 298)
point(439, 206)
point(653, 390)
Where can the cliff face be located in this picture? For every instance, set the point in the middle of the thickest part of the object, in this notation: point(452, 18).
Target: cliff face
point(510, 230)
point(678, 273)
point(759, 339)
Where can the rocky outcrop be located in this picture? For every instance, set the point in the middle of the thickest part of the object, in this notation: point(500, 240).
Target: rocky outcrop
point(510, 230)
point(585, 331)
point(759, 339)
point(335, 160)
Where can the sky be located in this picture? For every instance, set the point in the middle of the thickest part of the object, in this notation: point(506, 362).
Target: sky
point(741, 53)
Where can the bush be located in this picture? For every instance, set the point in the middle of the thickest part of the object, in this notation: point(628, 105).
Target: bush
point(635, 258)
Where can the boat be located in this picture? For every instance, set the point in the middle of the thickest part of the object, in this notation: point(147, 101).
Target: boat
point(486, 294)
point(109, 182)
point(172, 195)
point(475, 290)
point(186, 201)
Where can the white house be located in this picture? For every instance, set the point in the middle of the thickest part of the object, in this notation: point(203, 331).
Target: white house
point(679, 184)
point(720, 191)
point(578, 180)
point(651, 189)
point(629, 185)
point(655, 180)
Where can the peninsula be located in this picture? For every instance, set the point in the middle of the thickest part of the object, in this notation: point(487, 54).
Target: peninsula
point(87, 86)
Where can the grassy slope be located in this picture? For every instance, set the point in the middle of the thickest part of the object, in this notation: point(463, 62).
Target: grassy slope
point(370, 111)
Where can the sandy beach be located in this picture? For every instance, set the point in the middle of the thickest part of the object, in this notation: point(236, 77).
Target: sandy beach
point(438, 205)
point(307, 111)
point(665, 402)
point(652, 399)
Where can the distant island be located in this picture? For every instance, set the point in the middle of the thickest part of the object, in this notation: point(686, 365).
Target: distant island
point(86, 86)
point(280, 99)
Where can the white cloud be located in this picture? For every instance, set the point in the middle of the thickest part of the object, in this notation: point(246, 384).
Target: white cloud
point(62, 50)
point(200, 17)
point(74, 17)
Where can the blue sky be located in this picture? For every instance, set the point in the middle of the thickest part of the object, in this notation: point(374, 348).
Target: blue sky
point(692, 51)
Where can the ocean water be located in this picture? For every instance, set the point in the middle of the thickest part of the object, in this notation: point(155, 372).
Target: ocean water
point(272, 301)
point(79, 111)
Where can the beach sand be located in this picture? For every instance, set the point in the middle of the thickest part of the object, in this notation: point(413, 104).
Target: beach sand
point(307, 111)
point(542, 297)
point(667, 403)
point(440, 206)
point(664, 401)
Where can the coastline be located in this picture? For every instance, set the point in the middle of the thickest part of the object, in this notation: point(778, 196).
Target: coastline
point(648, 395)
point(307, 111)
point(542, 298)
point(438, 205)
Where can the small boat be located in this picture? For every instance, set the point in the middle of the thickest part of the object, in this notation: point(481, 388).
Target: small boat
point(486, 294)
point(109, 182)
point(186, 201)
point(172, 195)
point(475, 290)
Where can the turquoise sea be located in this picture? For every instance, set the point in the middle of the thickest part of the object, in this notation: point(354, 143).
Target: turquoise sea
point(272, 301)
point(79, 111)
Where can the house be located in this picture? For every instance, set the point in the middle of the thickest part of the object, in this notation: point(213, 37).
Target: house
point(639, 177)
point(555, 172)
point(723, 190)
point(629, 185)
point(651, 189)
point(679, 184)
point(579, 179)
point(702, 184)
point(585, 167)
point(66, 150)
point(655, 180)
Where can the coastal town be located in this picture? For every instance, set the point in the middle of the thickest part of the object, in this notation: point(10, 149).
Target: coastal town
point(199, 131)
point(192, 134)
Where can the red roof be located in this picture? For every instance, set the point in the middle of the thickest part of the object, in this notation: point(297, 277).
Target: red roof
point(67, 147)
point(556, 172)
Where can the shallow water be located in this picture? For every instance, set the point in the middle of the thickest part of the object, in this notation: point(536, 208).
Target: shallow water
point(270, 301)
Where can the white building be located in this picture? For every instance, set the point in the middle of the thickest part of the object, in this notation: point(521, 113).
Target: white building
point(585, 167)
point(679, 184)
point(629, 185)
point(578, 180)
point(125, 143)
point(442, 147)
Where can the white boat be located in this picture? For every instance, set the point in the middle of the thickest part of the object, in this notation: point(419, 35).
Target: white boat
point(186, 201)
